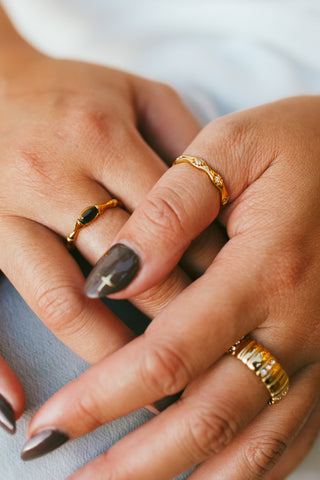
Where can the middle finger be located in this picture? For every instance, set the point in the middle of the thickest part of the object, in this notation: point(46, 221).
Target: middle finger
point(160, 362)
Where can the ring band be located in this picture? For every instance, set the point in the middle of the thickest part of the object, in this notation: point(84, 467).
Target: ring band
point(215, 178)
point(259, 360)
point(89, 215)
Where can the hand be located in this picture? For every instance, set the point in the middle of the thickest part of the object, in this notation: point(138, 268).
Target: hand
point(71, 136)
point(264, 281)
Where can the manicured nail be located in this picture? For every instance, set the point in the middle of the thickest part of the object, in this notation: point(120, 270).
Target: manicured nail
point(42, 443)
point(113, 272)
point(7, 420)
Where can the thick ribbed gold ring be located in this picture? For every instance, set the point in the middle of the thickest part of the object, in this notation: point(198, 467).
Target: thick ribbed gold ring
point(264, 365)
point(215, 178)
point(89, 215)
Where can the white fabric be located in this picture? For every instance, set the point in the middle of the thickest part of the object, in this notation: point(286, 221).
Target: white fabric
point(221, 55)
point(239, 53)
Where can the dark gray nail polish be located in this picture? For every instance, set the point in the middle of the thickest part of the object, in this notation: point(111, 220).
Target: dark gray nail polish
point(42, 443)
point(113, 272)
point(7, 420)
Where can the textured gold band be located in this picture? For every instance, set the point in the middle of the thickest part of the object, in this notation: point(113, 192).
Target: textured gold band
point(259, 360)
point(89, 215)
point(215, 178)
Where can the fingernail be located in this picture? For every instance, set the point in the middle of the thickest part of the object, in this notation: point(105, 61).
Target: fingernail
point(7, 419)
point(42, 443)
point(113, 272)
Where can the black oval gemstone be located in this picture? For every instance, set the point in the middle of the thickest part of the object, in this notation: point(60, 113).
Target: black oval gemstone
point(88, 215)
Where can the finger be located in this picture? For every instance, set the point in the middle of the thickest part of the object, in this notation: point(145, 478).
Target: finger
point(223, 296)
point(202, 430)
point(164, 120)
point(52, 413)
point(52, 285)
point(202, 423)
point(72, 318)
point(203, 250)
point(183, 203)
point(58, 204)
point(50, 280)
point(60, 212)
point(267, 440)
point(96, 238)
point(55, 196)
point(146, 168)
point(161, 363)
point(298, 449)
point(129, 169)
point(11, 398)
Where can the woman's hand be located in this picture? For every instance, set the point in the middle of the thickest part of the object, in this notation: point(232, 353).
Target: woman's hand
point(73, 135)
point(264, 281)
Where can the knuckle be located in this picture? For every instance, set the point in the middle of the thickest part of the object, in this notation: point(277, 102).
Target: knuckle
point(88, 123)
point(83, 125)
point(88, 120)
point(163, 371)
point(155, 299)
point(236, 132)
point(87, 412)
point(166, 90)
point(32, 168)
point(292, 268)
point(163, 216)
point(60, 307)
point(237, 138)
point(263, 454)
point(209, 432)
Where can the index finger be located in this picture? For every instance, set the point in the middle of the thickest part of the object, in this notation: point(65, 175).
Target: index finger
point(178, 208)
point(160, 362)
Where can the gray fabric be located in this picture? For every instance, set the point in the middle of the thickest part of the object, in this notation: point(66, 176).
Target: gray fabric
point(44, 365)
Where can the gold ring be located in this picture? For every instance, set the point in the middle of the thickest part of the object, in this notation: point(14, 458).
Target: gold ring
point(215, 178)
point(259, 360)
point(89, 215)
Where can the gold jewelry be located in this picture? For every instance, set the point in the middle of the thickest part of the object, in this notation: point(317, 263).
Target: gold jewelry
point(265, 366)
point(215, 178)
point(88, 215)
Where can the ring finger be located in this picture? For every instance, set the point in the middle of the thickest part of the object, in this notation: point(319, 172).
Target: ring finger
point(210, 414)
point(52, 283)
point(259, 447)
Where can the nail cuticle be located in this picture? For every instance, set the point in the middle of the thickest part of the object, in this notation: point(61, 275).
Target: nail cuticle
point(113, 272)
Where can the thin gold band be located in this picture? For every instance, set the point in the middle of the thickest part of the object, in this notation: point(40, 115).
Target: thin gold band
point(89, 215)
point(215, 178)
point(259, 360)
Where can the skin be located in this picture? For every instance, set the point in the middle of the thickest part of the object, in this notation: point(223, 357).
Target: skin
point(84, 126)
point(74, 135)
point(265, 280)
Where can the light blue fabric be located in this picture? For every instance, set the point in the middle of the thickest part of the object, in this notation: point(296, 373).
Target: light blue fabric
point(221, 56)
point(44, 365)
